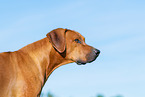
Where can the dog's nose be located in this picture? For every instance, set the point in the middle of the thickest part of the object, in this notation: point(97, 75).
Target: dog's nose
point(97, 52)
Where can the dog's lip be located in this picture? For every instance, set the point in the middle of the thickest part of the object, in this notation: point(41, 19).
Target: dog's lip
point(89, 61)
point(80, 63)
point(83, 63)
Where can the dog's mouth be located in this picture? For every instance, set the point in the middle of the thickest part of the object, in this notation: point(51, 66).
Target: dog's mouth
point(80, 63)
point(90, 59)
point(84, 63)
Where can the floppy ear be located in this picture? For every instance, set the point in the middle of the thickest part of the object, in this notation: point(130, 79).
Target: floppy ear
point(57, 39)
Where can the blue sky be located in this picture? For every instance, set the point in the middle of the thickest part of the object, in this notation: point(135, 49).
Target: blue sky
point(116, 27)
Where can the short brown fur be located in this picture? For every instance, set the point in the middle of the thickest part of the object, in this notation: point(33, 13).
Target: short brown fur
point(23, 73)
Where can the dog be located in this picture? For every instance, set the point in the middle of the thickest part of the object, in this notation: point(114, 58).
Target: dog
point(23, 73)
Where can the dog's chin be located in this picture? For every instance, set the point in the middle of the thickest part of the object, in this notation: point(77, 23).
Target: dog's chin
point(80, 63)
point(83, 63)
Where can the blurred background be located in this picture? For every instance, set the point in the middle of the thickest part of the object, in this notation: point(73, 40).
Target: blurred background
point(116, 27)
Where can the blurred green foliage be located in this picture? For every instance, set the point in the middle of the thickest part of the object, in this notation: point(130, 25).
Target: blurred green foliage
point(51, 95)
point(100, 95)
point(48, 95)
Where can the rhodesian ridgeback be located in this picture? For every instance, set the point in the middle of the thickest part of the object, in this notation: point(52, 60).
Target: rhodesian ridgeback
point(23, 73)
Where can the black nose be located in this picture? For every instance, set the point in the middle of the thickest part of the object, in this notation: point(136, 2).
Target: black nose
point(97, 52)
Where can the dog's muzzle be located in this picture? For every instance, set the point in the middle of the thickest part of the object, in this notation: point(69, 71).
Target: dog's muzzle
point(90, 57)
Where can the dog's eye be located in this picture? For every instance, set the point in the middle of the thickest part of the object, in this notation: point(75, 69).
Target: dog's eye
point(77, 41)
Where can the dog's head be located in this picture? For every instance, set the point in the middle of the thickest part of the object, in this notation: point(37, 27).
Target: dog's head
point(71, 45)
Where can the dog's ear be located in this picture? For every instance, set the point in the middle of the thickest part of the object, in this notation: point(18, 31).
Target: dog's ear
point(57, 39)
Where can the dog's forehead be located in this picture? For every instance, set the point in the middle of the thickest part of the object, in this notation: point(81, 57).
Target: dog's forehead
point(75, 34)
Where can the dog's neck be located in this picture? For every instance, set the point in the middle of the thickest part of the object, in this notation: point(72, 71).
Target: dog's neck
point(45, 58)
